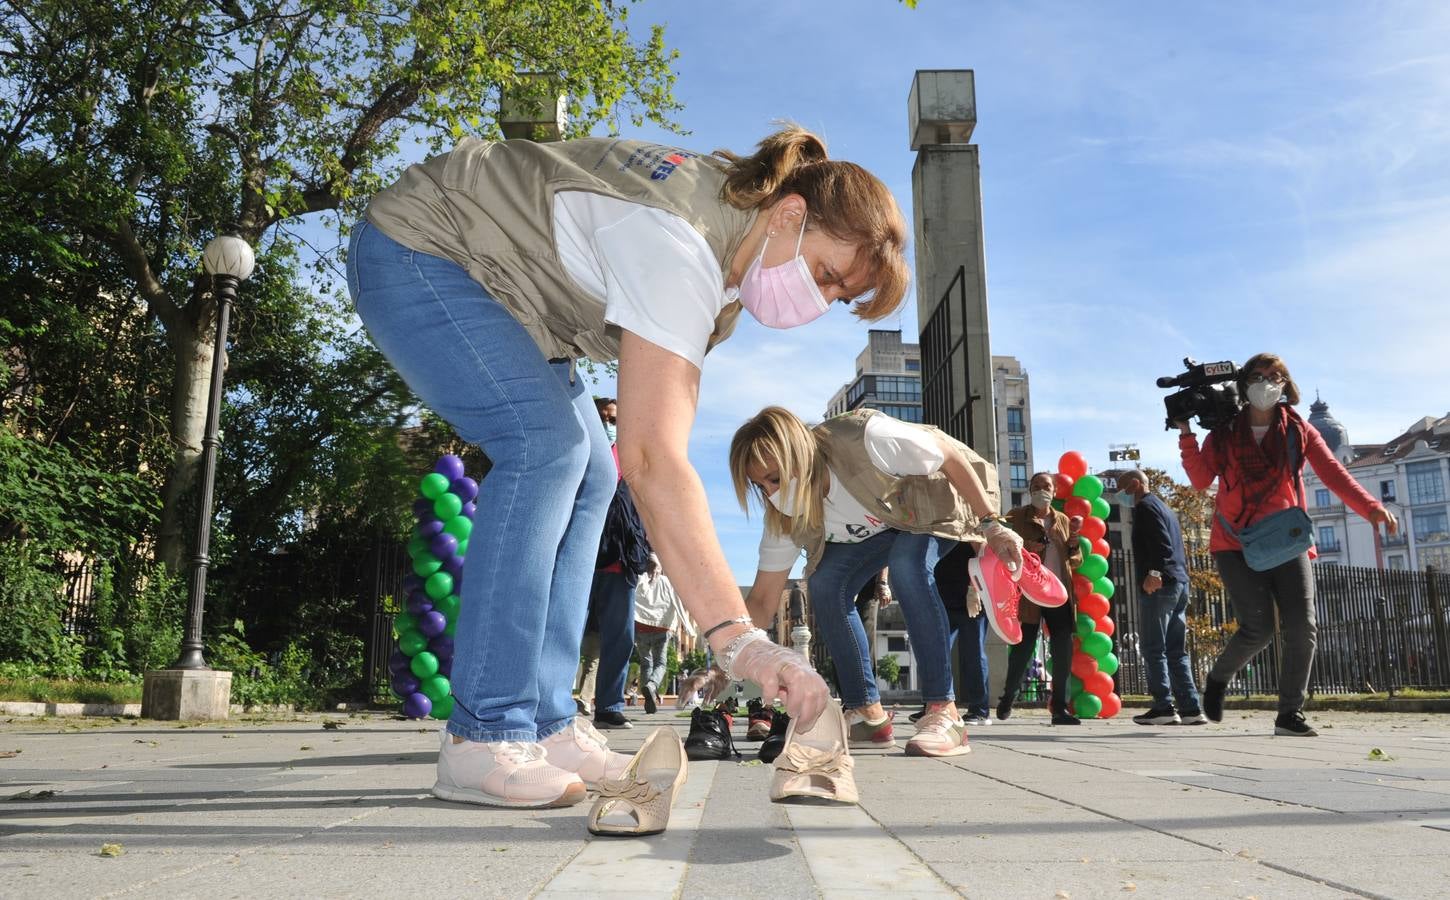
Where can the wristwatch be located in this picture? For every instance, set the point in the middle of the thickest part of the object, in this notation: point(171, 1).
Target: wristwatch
point(1154, 573)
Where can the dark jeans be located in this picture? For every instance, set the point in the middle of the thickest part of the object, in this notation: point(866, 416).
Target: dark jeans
point(613, 602)
point(970, 635)
point(1161, 641)
point(1255, 595)
point(1060, 621)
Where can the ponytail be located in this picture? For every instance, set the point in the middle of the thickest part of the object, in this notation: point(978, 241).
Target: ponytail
point(757, 180)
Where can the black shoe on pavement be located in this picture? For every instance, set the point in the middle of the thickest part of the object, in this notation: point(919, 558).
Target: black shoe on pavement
point(1065, 718)
point(1004, 708)
point(709, 736)
point(606, 718)
point(775, 741)
point(1213, 691)
point(1158, 715)
point(916, 716)
point(1293, 725)
point(762, 718)
point(651, 699)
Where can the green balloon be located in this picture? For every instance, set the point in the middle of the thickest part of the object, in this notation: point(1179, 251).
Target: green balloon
point(412, 643)
point(1074, 685)
point(424, 566)
point(438, 585)
point(436, 688)
point(425, 665)
point(1087, 706)
point(1108, 665)
point(404, 623)
point(462, 550)
point(1102, 508)
point(459, 526)
point(448, 606)
point(1085, 625)
point(1088, 487)
point(1085, 545)
point(1097, 645)
point(1093, 567)
point(452, 628)
point(433, 486)
point(1059, 504)
point(442, 709)
point(416, 547)
point(1105, 587)
point(447, 506)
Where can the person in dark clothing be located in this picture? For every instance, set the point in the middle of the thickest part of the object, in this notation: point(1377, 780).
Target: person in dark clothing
point(968, 623)
point(1162, 573)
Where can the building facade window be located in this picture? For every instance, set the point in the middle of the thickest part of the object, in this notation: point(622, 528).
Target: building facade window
point(1396, 562)
point(1439, 557)
point(1327, 541)
point(898, 388)
point(1017, 447)
point(913, 365)
point(1387, 490)
point(1015, 423)
point(1321, 497)
point(1019, 476)
point(1425, 482)
point(1431, 526)
point(904, 413)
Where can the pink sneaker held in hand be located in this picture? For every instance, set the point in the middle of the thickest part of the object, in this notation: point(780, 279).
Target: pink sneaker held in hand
point(999, 593)
point(1038, 584)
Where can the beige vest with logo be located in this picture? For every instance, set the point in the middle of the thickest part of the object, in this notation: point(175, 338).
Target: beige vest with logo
point(920, 504)
point(489, 207)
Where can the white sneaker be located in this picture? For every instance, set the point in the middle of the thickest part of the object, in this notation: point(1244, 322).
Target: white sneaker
point(938, 734)
point(503, 773)
point(579, 748)
point(979, 720)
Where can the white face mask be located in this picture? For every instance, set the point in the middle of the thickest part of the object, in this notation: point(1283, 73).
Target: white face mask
point(611, 431)
point(1265, 394)
point(1042, 499)
point(784, 498)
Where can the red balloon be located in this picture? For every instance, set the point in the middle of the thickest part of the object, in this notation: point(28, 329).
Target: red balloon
point(1093, 528)
point(1102, 548)
point(1104, 625)
point(1077, 506)
point(1062, 486)
point(1077, 646)
point(1081, 586)
point(1094, 605)
point(1099, 684)
point(1112, 705)
point(1073, 464)
point(1084, 666)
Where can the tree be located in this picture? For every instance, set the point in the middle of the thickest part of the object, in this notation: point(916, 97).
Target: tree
point(138, 133)
point(888, 669)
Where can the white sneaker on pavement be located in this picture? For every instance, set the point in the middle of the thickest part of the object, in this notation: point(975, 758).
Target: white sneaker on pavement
point(938, 734)
point(503, 773)
point(581, 749)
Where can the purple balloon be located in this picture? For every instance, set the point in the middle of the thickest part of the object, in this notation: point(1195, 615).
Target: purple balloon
point(411, 583)
point(405, 683)
point(453, 566)
point(419, 604)
point(422, 507)
point(466, 488)
point(469, 509)
point(443, 545)
point(441, 647)
point(429, 527)
point(416, 706)
point(445, 667)
point(449, 466)
point(398, 663)
point(432, 623)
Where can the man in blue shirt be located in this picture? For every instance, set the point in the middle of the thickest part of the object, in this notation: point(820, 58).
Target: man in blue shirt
point(1163, 607)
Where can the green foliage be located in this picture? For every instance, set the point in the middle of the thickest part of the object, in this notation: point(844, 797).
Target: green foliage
point(672, 662)
point(26, 683)
point(694, 661)
point(301, 675)
point(888, 669)
point(139, 628)
point(31, 630)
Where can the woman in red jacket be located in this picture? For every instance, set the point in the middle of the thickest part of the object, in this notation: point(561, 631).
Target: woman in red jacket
point(1258, 459)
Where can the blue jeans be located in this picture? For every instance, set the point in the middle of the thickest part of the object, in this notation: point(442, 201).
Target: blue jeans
point(970, 636)
point(613, 601)
point(1161, 634)
point(540, 508)
point(844, 569)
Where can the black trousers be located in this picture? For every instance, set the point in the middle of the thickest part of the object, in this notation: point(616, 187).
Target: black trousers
point(1061, 621)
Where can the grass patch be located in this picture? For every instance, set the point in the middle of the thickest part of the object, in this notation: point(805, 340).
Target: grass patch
point(52, 690)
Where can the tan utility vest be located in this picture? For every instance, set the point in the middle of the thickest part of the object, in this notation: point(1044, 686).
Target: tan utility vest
point(920, 504)
point(489, 207)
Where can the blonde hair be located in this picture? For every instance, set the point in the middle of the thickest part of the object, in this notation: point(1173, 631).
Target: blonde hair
point(1274, 363)
point(776, 436)
point(844, 200)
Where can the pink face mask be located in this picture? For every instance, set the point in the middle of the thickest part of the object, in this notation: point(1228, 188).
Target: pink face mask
point(782, 296)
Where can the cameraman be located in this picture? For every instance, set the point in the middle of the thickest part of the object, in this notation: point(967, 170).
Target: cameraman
point(1258, 458)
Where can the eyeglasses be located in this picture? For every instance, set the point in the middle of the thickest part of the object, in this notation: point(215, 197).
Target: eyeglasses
point(1271, 378)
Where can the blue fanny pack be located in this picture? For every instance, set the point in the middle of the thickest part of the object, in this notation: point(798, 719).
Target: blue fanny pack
point(1282, 536)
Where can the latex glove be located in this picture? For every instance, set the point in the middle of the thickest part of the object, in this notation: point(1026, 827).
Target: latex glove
point(1006, 543)
point(783, 673)
point(716, 683)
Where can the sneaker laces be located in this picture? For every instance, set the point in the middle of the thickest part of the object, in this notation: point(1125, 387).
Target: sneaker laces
point(586, 730)
point(937, 721)
point(517, 752)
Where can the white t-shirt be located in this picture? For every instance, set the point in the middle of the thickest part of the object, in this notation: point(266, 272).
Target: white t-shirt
point(895, 448)
point(654, 273)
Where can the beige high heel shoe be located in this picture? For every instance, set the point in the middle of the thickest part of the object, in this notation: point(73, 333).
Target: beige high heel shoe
point(816, 765)
point(639, 801)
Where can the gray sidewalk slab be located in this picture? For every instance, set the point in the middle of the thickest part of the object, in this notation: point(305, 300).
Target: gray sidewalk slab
point(288, 808)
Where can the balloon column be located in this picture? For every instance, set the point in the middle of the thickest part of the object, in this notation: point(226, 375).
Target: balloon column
point(423, 659)
point(1090, 689)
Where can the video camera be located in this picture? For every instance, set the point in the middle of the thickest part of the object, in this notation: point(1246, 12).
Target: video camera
point(1209, 392)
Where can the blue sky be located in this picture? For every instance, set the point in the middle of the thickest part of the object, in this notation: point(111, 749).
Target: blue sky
point(1158, 181)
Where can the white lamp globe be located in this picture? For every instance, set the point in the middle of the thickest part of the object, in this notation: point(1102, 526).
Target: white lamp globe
point(229, 255)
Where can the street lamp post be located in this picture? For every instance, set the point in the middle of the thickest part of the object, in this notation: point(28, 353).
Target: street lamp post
point(229, 261)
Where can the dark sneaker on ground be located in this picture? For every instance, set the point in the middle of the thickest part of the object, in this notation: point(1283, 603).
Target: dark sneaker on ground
point(1293, 725)
point(775, 741)
point(1004, 709)
point(916, 716)
point(607, 718)
point(709, 736)
point(761, 719)
point(1192, 718)
point(864, 735)
point(1213, 691)
point(1065, 718)
point(651, 699)
point(1158, 715)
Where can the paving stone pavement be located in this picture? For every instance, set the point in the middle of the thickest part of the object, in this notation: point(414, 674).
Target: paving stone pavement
point(274, 808)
